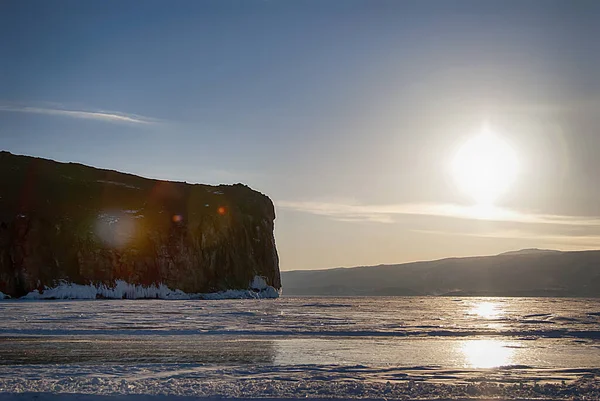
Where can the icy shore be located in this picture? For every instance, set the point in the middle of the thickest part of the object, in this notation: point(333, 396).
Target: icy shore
point(257, 289)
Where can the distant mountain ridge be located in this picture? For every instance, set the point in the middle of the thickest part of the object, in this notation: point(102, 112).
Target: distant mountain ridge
point(530, 251)
point(528, 272)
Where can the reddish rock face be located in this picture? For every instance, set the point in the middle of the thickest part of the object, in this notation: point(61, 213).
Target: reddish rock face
point(71, 222)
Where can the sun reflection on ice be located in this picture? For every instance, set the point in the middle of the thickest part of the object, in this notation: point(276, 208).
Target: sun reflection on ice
point(487, 310)
point(484, 354)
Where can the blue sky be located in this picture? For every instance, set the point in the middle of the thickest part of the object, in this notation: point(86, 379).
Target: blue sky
point(344, 112)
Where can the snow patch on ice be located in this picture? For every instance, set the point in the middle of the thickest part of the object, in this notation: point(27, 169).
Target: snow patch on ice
point(258, 289)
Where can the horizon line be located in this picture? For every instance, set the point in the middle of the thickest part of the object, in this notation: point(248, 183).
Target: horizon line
point(506, 253)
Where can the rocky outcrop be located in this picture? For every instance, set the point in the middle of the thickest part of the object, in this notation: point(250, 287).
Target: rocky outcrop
point(65, 222)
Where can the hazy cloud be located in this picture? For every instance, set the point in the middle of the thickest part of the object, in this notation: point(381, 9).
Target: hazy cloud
point(566, 242)
point(107, 116)
point(386, 213)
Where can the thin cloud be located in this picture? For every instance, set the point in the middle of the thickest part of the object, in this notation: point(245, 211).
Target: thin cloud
point(386, 213)
point(565, 241)
point(107, 116)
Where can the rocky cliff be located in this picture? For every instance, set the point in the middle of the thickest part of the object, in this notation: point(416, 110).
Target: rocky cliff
point(65, 222)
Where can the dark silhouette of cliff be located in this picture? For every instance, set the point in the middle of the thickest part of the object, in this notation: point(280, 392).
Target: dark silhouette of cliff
point(65, 221)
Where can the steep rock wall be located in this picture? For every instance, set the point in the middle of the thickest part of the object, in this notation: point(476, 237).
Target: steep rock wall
point(74, 223)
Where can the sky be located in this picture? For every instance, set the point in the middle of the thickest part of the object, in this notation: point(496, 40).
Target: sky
point(348, 114)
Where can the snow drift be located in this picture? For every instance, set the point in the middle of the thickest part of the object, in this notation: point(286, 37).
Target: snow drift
point(257, 289)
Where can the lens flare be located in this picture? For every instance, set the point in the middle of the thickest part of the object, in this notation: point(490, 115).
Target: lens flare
point(116, 229)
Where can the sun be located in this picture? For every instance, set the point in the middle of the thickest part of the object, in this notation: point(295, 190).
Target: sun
point(484, 167)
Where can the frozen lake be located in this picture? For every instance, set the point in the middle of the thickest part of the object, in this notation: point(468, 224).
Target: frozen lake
point(304, 347)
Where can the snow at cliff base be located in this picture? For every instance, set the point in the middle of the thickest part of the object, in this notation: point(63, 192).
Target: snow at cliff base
point(258, 289)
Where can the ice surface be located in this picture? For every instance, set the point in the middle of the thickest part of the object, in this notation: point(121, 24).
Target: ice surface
point(3, 296)
point(123, 290)
point(288, 383)
point(268, 292)
point(301, 348)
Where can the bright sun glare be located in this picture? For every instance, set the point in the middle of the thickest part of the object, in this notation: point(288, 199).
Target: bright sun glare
point(484, 167)
point(486, 354)
point(487, 310)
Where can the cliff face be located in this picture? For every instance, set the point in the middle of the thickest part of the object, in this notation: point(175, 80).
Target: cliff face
point(83, 225)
